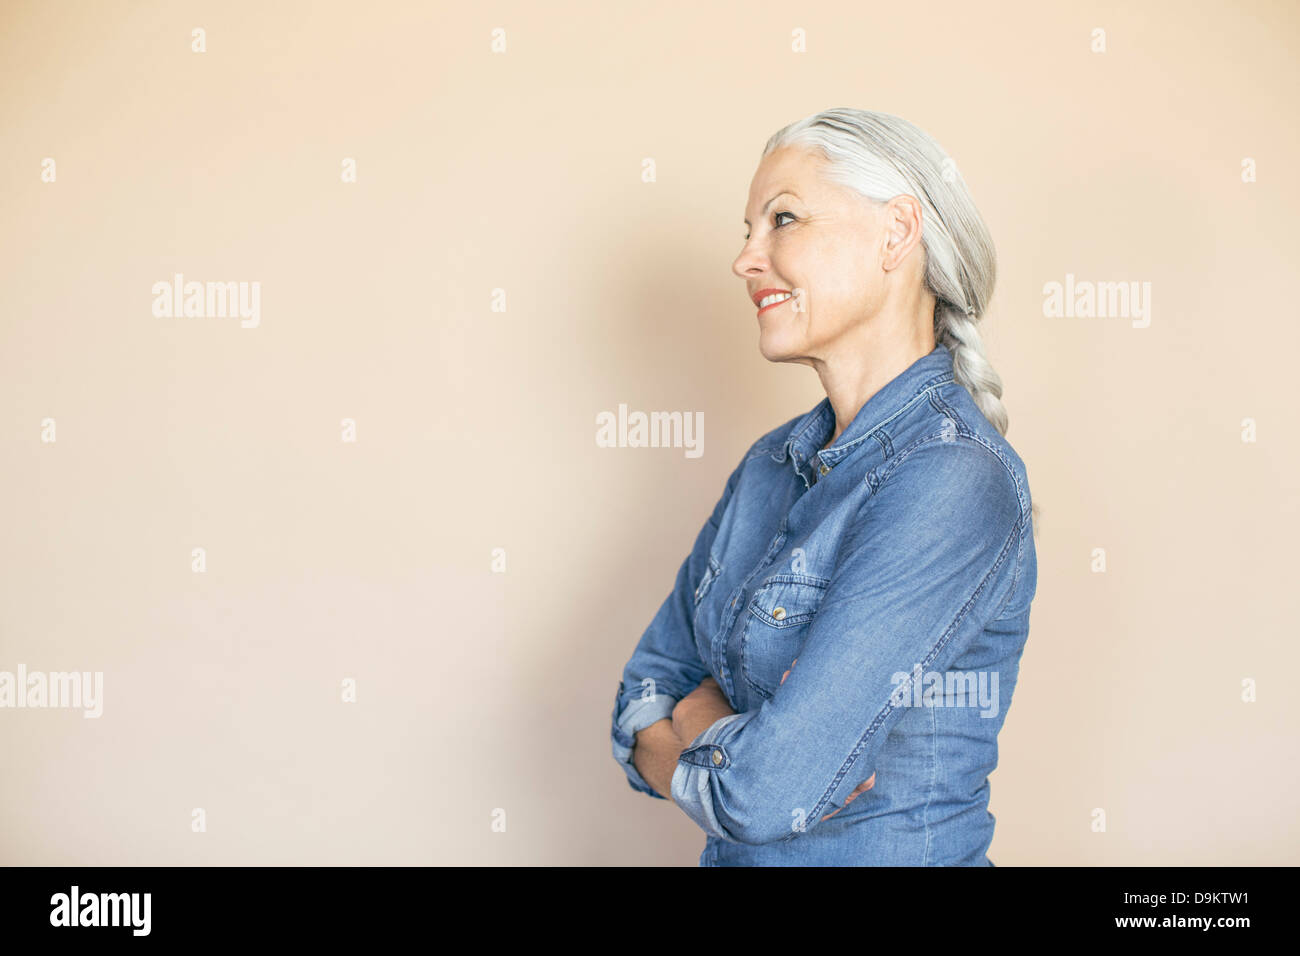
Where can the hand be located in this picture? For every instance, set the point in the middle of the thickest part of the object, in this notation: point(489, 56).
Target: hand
point(861, 788)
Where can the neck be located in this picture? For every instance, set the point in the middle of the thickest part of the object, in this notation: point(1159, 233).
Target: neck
point(850, 386)
point(873, 354)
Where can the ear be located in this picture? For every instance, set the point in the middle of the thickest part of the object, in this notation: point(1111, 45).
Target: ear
point(902, 229)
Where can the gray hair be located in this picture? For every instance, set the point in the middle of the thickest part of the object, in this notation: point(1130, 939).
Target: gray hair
point(882, 156)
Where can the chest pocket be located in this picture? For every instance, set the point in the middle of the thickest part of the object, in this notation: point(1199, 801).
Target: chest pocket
point(775, 627)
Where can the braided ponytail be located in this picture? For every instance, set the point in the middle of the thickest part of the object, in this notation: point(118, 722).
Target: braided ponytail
point(958, 331)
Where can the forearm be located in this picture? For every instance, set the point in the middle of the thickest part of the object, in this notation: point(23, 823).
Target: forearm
point(704, 710)
point(655, 755)
point(659, 745)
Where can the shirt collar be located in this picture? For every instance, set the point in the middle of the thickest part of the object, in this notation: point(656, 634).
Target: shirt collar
point(810, 432)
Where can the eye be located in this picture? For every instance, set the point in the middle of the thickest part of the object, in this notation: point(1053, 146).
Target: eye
point(776, 219)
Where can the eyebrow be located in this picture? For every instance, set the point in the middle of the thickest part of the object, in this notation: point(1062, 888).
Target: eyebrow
point(783, 192)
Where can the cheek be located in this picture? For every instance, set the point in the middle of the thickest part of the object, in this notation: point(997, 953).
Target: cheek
point(835, 268)
point(848, 278)
point(835, 274)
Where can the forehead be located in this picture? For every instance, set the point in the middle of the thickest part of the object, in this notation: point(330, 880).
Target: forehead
point(785, 170)
point(789, 166)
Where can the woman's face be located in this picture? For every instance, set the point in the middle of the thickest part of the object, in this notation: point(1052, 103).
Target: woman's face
point(820, 241)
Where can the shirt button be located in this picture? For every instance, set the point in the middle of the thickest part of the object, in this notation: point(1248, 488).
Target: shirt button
point(717, 757)
point(825, 470)
point(779, 614)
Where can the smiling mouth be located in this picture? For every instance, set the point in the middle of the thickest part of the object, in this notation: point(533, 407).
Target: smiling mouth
point(771, 301)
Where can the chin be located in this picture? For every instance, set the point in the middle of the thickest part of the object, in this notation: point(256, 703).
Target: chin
point(775, 348)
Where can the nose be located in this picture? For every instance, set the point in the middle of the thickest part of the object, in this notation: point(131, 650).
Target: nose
point(750, 262)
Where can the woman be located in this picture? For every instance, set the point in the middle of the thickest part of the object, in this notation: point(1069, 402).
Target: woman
point(826, 681)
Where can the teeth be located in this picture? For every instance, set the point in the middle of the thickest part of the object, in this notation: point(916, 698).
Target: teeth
point(769, 299)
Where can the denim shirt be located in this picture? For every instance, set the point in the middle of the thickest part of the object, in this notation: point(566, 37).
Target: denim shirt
point(898, 567)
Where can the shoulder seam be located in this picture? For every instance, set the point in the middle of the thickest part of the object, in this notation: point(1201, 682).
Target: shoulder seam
point(974, 441)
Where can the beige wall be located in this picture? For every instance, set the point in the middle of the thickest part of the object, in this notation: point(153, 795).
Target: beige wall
point(521, 171)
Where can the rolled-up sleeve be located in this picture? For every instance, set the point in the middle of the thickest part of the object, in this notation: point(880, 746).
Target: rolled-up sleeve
point(665, 666)
point(929, 560)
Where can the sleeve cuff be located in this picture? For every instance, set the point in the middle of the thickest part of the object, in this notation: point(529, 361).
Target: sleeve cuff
point(639, 714)
point(692, 780)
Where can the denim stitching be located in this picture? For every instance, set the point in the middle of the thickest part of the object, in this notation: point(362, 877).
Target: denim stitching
point(1020, 566)
point(935, 381)
point(886, 446)
point(1022, 494)
point(921, 394)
